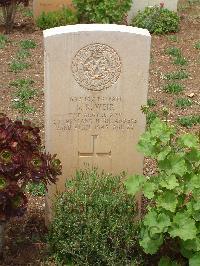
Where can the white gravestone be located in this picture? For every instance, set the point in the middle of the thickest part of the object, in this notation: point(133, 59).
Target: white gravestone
point(96, 79)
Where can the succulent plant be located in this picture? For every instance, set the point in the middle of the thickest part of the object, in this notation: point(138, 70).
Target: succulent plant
point(22, 160)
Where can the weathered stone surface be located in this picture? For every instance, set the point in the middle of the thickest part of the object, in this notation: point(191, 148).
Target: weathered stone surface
point(48, 5)
point(96, 79)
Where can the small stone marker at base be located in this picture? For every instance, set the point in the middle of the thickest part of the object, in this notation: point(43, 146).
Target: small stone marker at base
point(96, 79)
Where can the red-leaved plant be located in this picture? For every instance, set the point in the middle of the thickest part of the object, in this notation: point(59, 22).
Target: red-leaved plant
point(22, 160)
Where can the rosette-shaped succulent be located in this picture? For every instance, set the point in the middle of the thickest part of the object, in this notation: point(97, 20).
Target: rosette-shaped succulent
point(22, 160)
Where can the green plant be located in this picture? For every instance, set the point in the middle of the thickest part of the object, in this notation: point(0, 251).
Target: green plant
point(23, 107)
point(173, 212)
point(151, 102)
point(151, 116)
point(197, 45)
point(27, 44)
point(3, 41)
point(102, 11)
point(36, 189)
point(22, 54)
point(18, 65)
point(22, 160)
point(157, 20)
point(20, 83)
point(56, 18)
point(181, 74)
point(24, 93)
point(180, 60)
point(173, 88)
point(172, 38)
point(183, 102)
point(189, 121)
point(173, 51)
point(93, 222)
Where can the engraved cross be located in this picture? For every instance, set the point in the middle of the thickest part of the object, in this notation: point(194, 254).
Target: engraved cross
point(93, 153)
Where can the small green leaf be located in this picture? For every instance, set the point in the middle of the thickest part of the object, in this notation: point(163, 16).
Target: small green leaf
point(183, 227)
point(134, 184)
point(148, 189)
point(151, 245)
point(165, 261)
point(195, 260)
point(158, 221)
point(191, 244)
point(189, 140)
point(169, 182)
point(167, 201)
point(163, 154)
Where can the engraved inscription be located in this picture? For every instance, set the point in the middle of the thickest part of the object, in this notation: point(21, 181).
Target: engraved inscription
point(96, 67)
point(94, 113)
point(93, 153)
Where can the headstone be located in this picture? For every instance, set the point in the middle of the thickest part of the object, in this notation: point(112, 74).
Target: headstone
point(40, 6)
point(141, 4)
point(96, 79)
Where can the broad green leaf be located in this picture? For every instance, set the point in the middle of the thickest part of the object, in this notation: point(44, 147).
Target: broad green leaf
point(165, 261)
point(148, 189)
point(134, 183)
point(193, 155)
point(193, 183)
point(147, 145)
point(151, 245)
point(195, 260)
point(183, 227)
point(163, 154)
point(174, 164)
point(169, 182)
point(189, 140)
point(156, 222)
point(191, 244)
point(161, 130)
point(167, 201)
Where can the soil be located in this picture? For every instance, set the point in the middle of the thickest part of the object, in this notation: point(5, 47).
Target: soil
point(25, 237)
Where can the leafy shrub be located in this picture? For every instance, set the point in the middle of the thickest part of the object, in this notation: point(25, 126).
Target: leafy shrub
point(174, 212)
point(157, 20)
point(9, 9)
point(21, 161)
point(94, 222)
point(102, 11)
point(56, 18)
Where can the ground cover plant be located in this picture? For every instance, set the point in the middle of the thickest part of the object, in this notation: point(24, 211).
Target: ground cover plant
point(174, 191)
point(22, 160)
point(93, 222)
point(29, 245)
